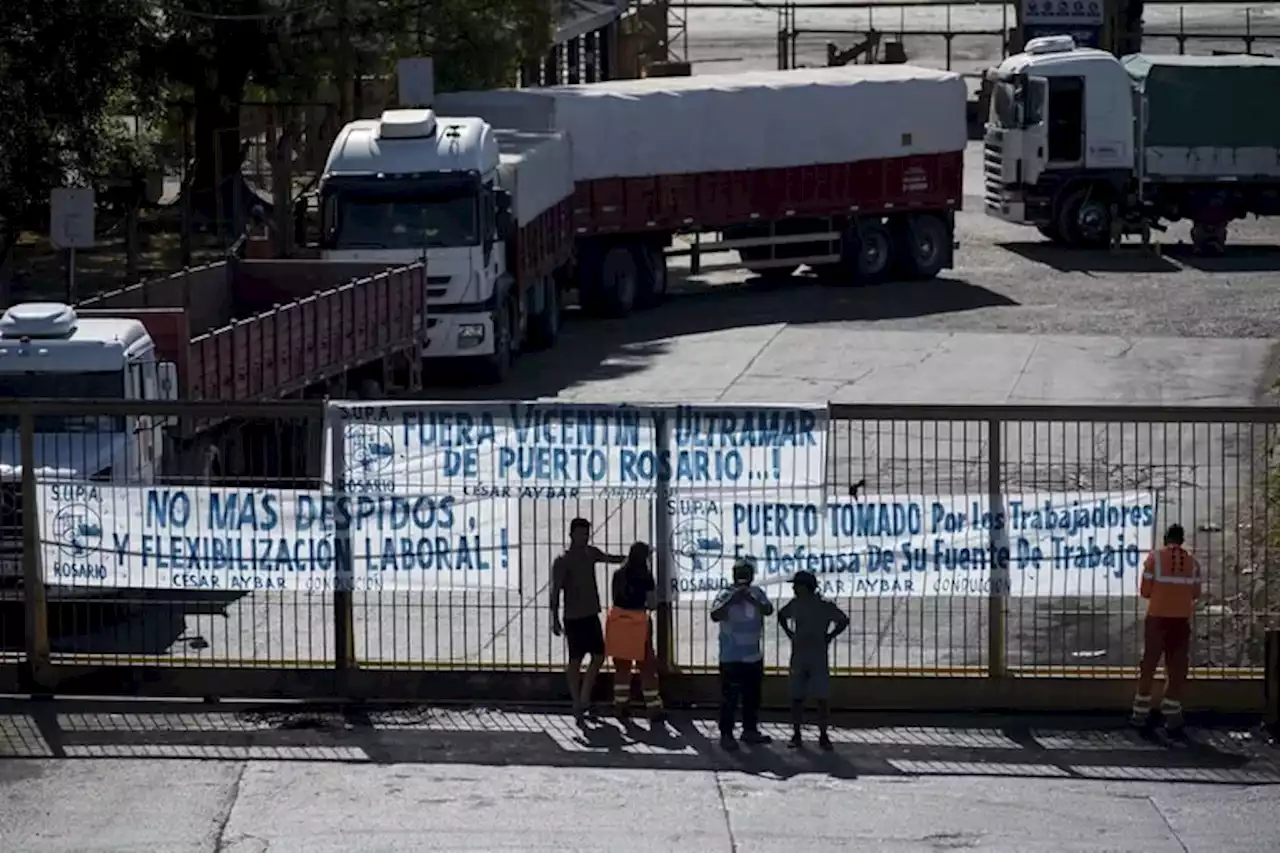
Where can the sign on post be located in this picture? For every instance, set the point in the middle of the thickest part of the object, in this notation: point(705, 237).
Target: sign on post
point(416, 81)
point(71, 217)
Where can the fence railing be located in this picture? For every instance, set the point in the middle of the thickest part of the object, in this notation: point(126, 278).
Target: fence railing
point(145, 535)
point(966, 36)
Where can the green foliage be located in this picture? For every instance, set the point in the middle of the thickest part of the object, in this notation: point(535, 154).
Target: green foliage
point(61, 66)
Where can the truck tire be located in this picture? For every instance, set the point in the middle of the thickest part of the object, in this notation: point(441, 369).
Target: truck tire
point(544, 326)
point(1209, 239)
point(1084, 219)
point(920, 246)
point(494, 369)
point(1050, 232)
point(619, 281)
point(653, 276)
point(868, 253)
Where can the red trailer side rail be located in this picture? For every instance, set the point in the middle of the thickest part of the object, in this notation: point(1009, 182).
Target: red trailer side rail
point(314, 339)
point(545, 243)
point(296, 329)
point(714, 200)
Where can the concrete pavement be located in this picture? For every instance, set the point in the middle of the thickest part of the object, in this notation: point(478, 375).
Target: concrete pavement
point(130, 776)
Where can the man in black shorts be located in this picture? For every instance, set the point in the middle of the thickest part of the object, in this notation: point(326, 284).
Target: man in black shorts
point(574, 574)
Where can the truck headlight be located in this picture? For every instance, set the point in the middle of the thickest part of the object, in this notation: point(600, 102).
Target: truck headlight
point(470, 335)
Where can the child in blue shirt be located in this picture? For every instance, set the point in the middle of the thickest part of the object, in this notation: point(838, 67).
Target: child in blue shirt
point(740, 613)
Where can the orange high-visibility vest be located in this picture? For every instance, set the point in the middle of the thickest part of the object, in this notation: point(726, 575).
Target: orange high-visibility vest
point(1171, 580)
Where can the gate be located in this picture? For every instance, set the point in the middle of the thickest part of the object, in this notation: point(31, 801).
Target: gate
point(920, 495)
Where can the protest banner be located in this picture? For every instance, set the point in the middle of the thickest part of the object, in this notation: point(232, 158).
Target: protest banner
point(564, 450)
point(1035, 545)
point(252, 539)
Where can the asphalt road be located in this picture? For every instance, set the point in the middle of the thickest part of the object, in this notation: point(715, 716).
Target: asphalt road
point(1017, 322)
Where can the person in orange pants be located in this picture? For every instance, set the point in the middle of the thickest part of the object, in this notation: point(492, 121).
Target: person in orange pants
point(1172, 583)
point(629, 633)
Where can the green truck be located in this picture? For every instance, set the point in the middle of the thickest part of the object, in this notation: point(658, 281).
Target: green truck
point(1088, 147)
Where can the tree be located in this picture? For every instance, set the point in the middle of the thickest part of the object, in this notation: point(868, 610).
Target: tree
point(213, 51)
point(62, 66)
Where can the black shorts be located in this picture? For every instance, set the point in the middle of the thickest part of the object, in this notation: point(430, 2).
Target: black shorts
point(584, 636)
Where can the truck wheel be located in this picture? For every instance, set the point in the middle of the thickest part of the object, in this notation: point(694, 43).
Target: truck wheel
point(653, 280)
point(497, 367)
point(1209, 240)
point(921, 246)
point(1051, 232)
point(868, 252)
point(544, 327)
point(1084, 220)
point(619, 281)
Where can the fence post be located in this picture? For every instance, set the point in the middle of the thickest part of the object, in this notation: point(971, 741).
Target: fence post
point(997, 612)
point(344, 569)
point(34, 598)
point(662, 530)
point(1271, 711)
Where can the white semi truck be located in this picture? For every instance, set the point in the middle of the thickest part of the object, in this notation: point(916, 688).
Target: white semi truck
point(488, 209)
point(1087, 147)
point(515, 197)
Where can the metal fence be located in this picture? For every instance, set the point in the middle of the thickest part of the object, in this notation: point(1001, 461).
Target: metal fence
point(1212, 470)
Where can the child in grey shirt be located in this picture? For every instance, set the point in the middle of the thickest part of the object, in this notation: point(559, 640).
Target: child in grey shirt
point(811, 622)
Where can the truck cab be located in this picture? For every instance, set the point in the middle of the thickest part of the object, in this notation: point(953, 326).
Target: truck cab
point(413, 186)
point(1060, 129)
point(49, 351)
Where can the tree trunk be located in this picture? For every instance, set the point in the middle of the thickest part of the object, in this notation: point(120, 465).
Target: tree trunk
point(216, 187)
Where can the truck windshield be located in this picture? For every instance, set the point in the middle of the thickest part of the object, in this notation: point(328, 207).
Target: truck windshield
point(107, 384)
point(404, 222)
point(1003, 113)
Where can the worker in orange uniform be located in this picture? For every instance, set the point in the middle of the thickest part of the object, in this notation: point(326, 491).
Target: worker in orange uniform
point(1171, 582)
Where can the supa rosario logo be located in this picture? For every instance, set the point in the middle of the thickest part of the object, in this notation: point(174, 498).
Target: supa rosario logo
point(77, 528)
point(697, 544)
point(370, 451)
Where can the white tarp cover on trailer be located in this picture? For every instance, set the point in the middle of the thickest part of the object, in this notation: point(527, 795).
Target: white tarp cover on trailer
point(728, 122)
point(537, 169)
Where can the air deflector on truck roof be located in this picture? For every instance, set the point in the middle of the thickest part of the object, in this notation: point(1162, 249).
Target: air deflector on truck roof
point(38, 320)
point(407, 124)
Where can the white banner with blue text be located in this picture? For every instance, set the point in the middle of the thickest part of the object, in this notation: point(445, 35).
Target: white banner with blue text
point(1036, 545)
point(567, 450)
point(229, 539)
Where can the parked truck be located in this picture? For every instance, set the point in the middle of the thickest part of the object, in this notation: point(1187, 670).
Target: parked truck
point(856, 171)
point(1089, 147)
point(234, 331)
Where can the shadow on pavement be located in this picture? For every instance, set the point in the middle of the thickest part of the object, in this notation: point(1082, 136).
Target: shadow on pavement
point(596, 350)
point(1128, 258)
point(141, 622)
point(1239, 258)
point(908, 745)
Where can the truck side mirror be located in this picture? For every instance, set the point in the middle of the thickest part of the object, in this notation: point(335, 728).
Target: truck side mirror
point(504, 222)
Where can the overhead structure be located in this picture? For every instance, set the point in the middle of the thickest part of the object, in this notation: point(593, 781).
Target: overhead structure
point(584, 48)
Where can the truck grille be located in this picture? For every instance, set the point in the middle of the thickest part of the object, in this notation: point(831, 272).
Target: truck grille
point(993, 169)
point(10, 528)
point(437, 286)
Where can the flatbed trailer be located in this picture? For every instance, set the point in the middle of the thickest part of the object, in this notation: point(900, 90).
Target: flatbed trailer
point(244, 330)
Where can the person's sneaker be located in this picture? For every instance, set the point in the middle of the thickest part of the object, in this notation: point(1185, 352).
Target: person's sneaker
point(756, 738)
point(825, 744)
point(728, 744)
point(622, 712)
point(795, 742)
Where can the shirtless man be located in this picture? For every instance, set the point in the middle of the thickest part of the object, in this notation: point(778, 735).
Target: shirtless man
point(574, 574)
